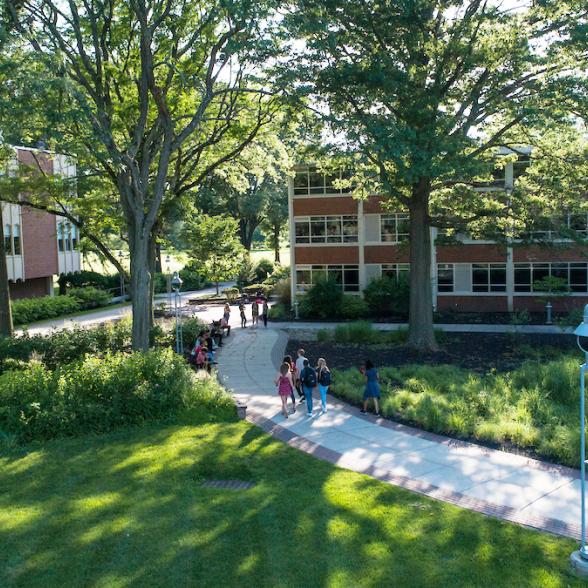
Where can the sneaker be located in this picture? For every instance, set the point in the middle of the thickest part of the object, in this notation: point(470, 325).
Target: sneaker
point(309, 414)
point(377, 414)
point(302, 399)
point(324, 411)
point(363, 411)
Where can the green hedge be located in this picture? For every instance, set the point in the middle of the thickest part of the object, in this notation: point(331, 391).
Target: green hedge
point(90, 297)
point(28, 310)
point(96, 395)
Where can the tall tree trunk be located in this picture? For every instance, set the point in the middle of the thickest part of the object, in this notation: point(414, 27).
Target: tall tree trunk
point(277, 243)
point(139, 245)
point(421, 335)
point(6, 326)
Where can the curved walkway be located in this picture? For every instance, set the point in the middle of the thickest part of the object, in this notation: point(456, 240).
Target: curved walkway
point(496, 483)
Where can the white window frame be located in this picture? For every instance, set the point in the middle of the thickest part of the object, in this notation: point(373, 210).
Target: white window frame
point(397, 218)
point(320, 269)
point(491, 287)
point(343, 239)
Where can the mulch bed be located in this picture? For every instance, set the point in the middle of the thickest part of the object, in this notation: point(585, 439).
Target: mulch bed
point(480, 352)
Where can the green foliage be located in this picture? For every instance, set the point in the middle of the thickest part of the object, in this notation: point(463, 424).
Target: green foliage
point(263, 269)
point(28, 310)
point(279, 312)
point(231, 293)
point(521, 317)
point(265, 289)
point(214, 246)
point(281, 272)
point(534, 406)
point(353, 307)
point(87, 278)
point(323, 300)
point(94, 395)
point(323, 335)
point(364, 332)
point(193, 279)
point(386, 296)
point(571, 319)
point(190, 330)
point(246, 274)
point(90, 297)
point(283, 291)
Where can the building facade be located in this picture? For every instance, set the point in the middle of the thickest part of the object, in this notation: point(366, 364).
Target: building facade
point(354, 241)
point(38, 245)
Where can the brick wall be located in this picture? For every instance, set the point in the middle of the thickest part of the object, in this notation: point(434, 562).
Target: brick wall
point(325, 255)
point(471, 253)
point(29, 288)
point(473, 303)
point(324, 206)
point(535, 304)
point(534, 253)
point(387, 253)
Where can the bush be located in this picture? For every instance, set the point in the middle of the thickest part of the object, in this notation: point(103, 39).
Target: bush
point(323, 300)
point(231, 293)
point(353, 307)
point(192, 279)
point(28, 310)
point(386, 296)
point(323, 335)
point(94, 395)
point(281, 272)
point(283, 291)
point(278, 312)
point(359, 332)
point(190, 330)
point(252, 290)
point(263, 270)
point(91, 279)
point(246, 274)
point(90, 297)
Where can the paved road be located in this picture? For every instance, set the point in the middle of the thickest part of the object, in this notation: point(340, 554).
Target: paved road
point(496, 483)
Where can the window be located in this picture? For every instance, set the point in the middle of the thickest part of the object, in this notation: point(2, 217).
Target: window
point(74, 237)
point(16, 240)
point(575, 275)
point(60, 237)
point(67, 236)
point(8, 240)
point(445, 277)
point(326, 229)
point(395, 270)
point(310, 181)
point(345, 275)
point(488, 277)
point(394, 228)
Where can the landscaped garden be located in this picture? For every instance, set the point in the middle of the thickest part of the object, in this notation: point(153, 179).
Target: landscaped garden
point(517, 392)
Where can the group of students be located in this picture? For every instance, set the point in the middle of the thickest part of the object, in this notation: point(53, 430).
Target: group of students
point(259, 307)
point(303, 378)
point(203, 354)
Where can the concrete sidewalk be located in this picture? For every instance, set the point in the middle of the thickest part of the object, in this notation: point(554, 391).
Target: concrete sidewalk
point(496, 483)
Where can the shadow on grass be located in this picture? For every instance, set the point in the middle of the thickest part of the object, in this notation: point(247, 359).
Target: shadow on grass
point(128, 509)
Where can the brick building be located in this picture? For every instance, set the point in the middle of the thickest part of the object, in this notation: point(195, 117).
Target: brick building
point(38, 245)
point(355, 241)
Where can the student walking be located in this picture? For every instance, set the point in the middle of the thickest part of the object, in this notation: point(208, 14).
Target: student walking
point(225, 321)
point(285, 387)
point(308, 378)
point(372, 387)
point(288, 360)
point(323, 376)
point(299, 367)
point(243, 317)
point(264, 312)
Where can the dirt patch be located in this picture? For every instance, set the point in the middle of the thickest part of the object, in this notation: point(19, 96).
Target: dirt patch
point(480, 352)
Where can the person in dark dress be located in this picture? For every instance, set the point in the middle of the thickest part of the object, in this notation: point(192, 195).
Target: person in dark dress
point(372, 387)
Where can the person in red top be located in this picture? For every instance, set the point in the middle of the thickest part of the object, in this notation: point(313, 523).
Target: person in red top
point(285, 387)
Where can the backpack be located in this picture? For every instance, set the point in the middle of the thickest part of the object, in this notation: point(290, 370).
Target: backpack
point(309, 377)
point(325, 378)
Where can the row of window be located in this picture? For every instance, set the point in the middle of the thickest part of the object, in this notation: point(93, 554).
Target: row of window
point(345, 275)
point(394, 228)
point(491, 277)
point(326, 229)
point(67, 236)
point(12, 244)
point(310, 181)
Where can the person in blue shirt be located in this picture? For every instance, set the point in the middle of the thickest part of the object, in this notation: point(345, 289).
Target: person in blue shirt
point(372, 387)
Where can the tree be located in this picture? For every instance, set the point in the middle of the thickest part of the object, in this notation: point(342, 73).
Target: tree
point(165, 94)
point(423, 92)
point(276, 216)
point(215, 247)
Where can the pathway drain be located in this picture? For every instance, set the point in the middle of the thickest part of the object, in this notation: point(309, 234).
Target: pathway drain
point(228, 484)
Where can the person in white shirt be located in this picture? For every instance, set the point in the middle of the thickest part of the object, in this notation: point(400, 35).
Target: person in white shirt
point(299, 367)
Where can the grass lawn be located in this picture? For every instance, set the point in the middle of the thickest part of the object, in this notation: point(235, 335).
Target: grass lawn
point(128, 509)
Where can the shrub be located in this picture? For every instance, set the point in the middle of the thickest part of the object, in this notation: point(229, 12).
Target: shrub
point(323, 335)
point(190, 330)
point(265, 289)
point(28, 310)
point(94, 395)
point(278, 312)
point(323, 300)
point(521, 317)
point(246, 274)
point(87, 278)
point(281, 272)
point(359, 332)
point(353, 307)
point(90, 297)
point(283, 291)
point(159, 283)
point(386, 296)
point(231, 293)
point(263, 269)
point(192, 279)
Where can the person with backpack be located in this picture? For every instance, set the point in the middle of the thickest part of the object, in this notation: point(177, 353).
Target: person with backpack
point(308, 379)
point(285, 387)
point(243, 316)
point(323, 376)
point(300, 359)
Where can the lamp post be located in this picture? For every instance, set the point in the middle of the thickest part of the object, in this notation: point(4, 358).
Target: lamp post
point(168, 280)
point(176, 284)
point(122, 277)
point(579, 559)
